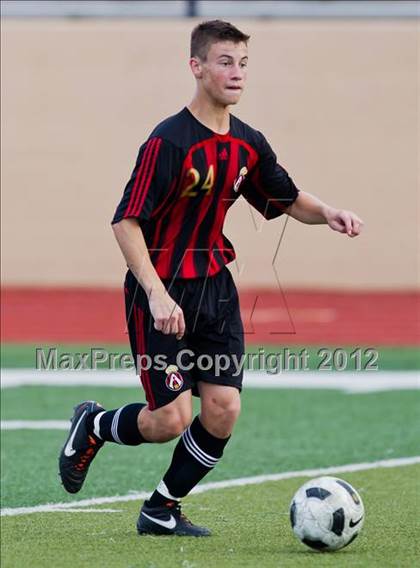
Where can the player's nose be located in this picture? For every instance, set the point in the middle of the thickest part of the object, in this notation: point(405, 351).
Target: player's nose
point(236, 79)
point(238, 73)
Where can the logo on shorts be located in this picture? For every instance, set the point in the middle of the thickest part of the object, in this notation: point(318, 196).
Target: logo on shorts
point(174, 380)
point(240, 179)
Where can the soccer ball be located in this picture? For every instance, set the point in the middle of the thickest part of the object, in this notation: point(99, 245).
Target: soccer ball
point(326, 513)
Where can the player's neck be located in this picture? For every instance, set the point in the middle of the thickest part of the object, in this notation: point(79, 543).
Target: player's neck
point(215, 117)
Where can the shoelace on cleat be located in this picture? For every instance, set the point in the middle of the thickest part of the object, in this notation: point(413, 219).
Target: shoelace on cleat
point(181, 515)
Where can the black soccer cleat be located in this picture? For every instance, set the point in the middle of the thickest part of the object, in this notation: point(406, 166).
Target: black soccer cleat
point(80, 448)
point(167, 521)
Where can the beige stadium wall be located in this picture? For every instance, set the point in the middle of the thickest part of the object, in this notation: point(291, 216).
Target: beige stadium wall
point(337, 99)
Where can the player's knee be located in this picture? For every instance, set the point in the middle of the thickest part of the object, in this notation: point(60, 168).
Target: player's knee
point(165, 423)
point(174, 427)
point(173, 422)
point(232, 410)
point(225, 408)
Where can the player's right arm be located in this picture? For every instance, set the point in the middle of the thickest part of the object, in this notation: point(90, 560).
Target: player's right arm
point(147, 186)
point(167, 315)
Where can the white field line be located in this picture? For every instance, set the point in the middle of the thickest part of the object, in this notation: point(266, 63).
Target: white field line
point(255, 480)
point(35, 424)
point(87, 511)
point(349, 382)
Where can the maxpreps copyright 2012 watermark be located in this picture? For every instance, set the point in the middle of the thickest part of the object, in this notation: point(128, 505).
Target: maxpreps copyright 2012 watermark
point(271, 362)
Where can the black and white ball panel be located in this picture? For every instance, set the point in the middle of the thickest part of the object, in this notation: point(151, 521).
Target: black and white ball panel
point(326, 513)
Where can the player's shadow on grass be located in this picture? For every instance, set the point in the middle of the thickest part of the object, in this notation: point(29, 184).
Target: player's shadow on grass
point(302, 552)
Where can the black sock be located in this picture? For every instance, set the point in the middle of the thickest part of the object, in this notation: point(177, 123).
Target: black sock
point(119, 425)
point(196, 453)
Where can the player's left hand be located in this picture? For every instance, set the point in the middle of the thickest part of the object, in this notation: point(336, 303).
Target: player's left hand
point(344, 222)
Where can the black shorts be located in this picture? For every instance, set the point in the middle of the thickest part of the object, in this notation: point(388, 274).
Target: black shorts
point(211, 349)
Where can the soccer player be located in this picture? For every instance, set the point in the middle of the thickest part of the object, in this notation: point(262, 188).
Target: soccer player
point(179, 294)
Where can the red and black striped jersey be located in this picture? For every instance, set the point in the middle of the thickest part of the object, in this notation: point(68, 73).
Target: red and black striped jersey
point(185, 179)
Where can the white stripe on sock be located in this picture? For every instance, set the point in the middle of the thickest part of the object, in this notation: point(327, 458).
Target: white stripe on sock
point(203, 454)
point(163, 490)
point(114, 425)
point(196, 452)
point(96, 425)
point(194, 455)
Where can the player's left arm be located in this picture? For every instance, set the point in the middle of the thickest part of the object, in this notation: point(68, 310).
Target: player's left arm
point(309, 209)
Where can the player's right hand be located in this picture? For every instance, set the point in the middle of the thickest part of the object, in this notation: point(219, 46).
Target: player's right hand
point(168, 316)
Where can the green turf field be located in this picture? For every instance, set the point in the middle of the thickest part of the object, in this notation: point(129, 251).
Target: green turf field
point(279, 431)
point(250, 529)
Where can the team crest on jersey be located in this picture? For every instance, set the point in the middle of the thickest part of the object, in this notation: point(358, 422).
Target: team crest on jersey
point(174, 380)
point(240, 179)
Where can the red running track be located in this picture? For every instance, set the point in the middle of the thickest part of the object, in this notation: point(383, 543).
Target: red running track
point(64, 315)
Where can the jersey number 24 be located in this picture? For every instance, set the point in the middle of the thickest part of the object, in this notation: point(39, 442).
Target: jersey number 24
point(191, 190)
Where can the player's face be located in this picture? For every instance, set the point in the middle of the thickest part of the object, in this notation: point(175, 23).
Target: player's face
point(224, 73)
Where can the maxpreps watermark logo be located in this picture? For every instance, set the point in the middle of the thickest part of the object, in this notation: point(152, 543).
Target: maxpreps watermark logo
point(322, 359)
point(174, 380)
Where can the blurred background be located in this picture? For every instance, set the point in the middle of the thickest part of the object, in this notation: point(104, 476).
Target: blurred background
point(333, 85)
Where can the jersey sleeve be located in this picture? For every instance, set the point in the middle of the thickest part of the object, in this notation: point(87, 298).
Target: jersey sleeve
point(268, 187)
point(151, 180)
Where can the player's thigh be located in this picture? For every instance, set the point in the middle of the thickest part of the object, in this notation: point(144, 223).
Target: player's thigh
point(218, 343)
point(155, 353)
point(179, 409)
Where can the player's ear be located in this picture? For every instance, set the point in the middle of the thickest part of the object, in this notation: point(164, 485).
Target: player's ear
point(196, 67)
